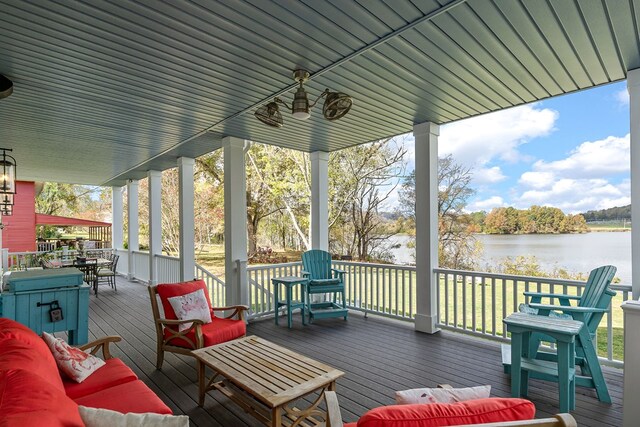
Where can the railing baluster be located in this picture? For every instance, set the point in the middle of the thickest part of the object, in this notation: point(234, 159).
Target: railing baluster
point(464, 301)
point(484, 305)
point(473, 303)
point(446, 299)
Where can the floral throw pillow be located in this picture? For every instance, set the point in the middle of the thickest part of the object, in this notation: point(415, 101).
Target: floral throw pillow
point(74, 363)
point(441, 395)
point(191, 306)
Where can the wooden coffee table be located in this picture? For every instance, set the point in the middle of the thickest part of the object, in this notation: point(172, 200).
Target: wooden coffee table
point(266, 379)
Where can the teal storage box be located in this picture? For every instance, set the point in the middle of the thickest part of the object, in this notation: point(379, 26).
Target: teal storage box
point(21, 281)
point(29, 296)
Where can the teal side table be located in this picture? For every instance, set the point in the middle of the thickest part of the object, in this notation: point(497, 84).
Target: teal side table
point(565, 331)
point(289, 282)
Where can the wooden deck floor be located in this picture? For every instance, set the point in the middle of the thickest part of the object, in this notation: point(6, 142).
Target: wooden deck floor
point(379, 356)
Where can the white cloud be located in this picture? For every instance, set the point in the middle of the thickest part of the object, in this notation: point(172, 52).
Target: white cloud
point(622, 97)
point(582, 180)
point(490, 175)
point(537, 179)
point(478, 140)
point(592, 159)
point(486, 204)
point(577, 195)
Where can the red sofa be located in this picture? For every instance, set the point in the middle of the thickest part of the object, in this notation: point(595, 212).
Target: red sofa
point(33, 392)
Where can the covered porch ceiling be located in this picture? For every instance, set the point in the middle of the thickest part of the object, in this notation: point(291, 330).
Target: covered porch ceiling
point(104, 91)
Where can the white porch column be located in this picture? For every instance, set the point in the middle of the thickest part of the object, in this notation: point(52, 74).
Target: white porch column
point(187, 219)
point(235, 222)
point(633, 86)
point(426, 155)
point(134, 224)
point(155, 223)
point(320, 200)
point(630, 408)
point(117, 218)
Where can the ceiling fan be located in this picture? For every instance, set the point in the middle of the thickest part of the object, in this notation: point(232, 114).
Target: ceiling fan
point(336, 104)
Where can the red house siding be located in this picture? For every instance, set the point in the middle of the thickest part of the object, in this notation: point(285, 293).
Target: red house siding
point(19, 234)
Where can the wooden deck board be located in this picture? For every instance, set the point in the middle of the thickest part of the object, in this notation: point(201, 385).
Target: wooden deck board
point(378, 356)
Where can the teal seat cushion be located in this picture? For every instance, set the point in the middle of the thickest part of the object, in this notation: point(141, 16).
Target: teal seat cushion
point(324, 282)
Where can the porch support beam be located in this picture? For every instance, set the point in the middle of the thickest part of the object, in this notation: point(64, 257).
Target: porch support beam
point(235, 222)
point(134, 224)
point(155, 223)
point(320, 200)
point(633, 86)
point(117, 218)
point(426, 155)
point(187, 218)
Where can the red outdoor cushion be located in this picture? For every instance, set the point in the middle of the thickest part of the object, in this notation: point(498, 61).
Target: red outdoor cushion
point(133, 396)
point(218, 331)
point(168, 290)
point(26, 399)
point(444, 414)
point(114, 373)
point(10, 329)
point(16, 354)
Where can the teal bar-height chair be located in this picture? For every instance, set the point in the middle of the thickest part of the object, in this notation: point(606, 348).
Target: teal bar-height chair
point(323, 279)
point(590, 308)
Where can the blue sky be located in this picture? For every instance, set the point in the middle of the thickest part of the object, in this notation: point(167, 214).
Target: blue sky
point(571, 152)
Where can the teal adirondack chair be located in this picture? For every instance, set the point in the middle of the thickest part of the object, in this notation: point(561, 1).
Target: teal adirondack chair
point(591, 306)
point(323, 279)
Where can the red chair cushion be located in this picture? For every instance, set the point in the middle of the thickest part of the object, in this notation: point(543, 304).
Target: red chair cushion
point(218, 331)
point(16, 354)
point(26, 399)
point(114, 373)
point(443, 414)
point(168, 290)
point(133, 396)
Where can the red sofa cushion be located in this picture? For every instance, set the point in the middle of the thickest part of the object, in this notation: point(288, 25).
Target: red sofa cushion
point(27, 399)
point(133, 396)
point(114, 373)
point(218, 331)
point(168, 290)
point(16, 354)
point(443, 414)
point(10, 329)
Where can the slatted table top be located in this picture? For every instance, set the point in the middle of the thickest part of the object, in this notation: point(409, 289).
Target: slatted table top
point(272, 374)
point(544, 323)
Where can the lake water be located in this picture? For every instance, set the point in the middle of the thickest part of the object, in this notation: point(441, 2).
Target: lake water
point(573, 252)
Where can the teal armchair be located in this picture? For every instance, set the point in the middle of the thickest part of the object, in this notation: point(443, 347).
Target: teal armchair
point(324, 279)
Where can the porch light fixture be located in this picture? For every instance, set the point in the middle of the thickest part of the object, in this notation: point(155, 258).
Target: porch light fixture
point(8, 169)
point(6, 210)
point(6, 87)
point(336, 104)
point(6, 200)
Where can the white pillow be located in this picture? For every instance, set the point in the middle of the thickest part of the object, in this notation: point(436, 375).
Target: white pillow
point(191, 306)
point(75, 363)
point(441, 395)
point(96, 417)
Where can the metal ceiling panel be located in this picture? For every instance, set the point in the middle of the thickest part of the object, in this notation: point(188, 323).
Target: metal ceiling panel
point(105, 91)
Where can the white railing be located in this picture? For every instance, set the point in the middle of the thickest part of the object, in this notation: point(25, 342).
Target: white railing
point(46, 246)
point(215, 285)
point(141, 266)
point(384, 289)
point(168, 269)
point(476, 302)
point(24, 260)
point(123, 262)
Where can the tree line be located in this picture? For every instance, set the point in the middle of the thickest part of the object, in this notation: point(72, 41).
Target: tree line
point(535, 220)
point(612, 214)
